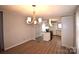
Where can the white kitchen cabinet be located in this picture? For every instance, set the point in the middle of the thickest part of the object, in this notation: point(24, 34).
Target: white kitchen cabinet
point(46, 36)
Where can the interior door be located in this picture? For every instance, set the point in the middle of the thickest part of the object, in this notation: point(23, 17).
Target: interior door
point(1, 32)
point(68, 31)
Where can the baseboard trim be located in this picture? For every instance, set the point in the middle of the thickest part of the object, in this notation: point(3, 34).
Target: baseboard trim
point(16, 44)
point(77, 50)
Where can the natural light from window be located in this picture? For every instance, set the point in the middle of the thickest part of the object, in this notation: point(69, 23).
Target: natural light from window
point(44, 27)
point(59, 25)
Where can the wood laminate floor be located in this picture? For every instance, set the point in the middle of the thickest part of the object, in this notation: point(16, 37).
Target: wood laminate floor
point(40, 47)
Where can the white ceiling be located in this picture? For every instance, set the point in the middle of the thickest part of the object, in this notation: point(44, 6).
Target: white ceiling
point(42, 10)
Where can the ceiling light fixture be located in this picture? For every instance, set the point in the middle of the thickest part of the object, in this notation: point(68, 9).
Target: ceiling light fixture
point(33, 19)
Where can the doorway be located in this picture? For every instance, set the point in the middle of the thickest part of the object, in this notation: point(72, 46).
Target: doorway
point(1, 32)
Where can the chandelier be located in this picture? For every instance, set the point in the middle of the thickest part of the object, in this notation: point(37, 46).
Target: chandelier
point(33, 19)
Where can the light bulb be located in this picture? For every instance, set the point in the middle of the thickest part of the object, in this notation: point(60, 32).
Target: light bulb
point(50, 22)
point(28, 20)
point(39, 20)
point(35, 22)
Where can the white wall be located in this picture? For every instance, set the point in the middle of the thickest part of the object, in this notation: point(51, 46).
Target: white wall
point(77, 30)
point(68, 31)
point(16, 31)
point(58, 32)
point(38, 30)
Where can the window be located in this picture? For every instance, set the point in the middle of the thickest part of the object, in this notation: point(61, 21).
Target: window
point(44, 27)
point(59, 25)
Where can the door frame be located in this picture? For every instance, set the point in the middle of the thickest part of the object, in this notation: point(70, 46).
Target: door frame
point(1, 32)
